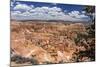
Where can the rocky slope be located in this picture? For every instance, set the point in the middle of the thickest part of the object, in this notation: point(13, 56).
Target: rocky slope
point(49, 42)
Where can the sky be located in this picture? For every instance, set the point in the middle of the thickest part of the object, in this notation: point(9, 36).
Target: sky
point(21, 10)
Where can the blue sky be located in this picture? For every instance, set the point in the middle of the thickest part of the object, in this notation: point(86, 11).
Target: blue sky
point(21, 10)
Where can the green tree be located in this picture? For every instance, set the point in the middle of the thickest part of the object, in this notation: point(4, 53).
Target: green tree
point(90, 11)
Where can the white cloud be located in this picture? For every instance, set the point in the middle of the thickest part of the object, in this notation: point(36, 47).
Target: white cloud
point(45, 13)
point(18, 3)
point(83, 12)
point(15, 12)
point(11, 4)
point(77, 14)
point(22, 7)
point(46, 9)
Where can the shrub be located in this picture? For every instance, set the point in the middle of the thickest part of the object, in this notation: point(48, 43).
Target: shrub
point(19, 59)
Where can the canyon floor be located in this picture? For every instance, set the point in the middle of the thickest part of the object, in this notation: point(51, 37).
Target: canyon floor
point(39, 42)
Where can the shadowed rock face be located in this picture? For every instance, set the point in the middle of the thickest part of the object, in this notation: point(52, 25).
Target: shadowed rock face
point(46, 42)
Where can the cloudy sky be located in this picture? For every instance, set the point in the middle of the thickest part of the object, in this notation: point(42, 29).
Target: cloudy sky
point(21, 10)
